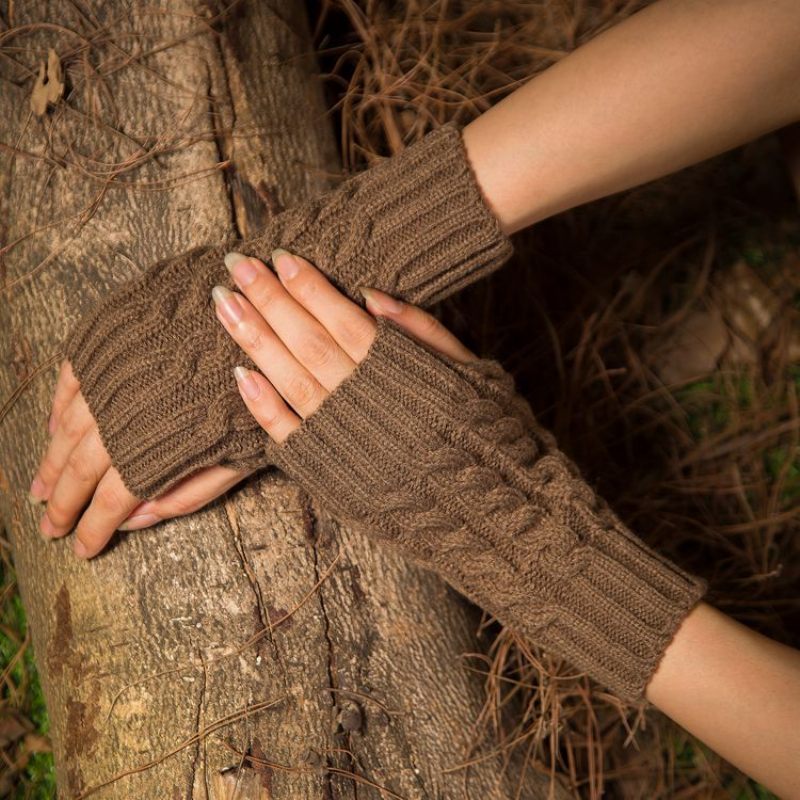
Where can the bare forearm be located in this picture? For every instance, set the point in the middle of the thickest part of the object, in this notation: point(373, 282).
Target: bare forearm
point(676, 83)
point(737, 691)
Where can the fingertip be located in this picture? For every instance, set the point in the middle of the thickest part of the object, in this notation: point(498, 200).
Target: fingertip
point(366, 293)
point(139, 521)
point(286, 264)
point(380, 303)
point(144, 507)
point(38, 491)
point(47, 529)
point(404, 321)
point(80, 549)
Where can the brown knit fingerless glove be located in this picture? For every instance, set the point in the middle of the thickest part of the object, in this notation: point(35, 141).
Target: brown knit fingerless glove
point(446, 462)
point(154, 364)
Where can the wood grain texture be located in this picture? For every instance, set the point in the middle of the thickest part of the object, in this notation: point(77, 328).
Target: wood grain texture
point(140, 650)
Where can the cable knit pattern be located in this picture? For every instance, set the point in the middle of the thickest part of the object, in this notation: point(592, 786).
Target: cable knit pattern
point(445, 462)
point(155, 365)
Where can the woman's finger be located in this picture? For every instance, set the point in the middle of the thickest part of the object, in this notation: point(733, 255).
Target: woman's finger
point(266, 404)
point(84, 467)
point(67, 387)
point(188, 495)
point(73, 423)
point(351, 327)
point(420, 324)
point(251, 332)
point(111, 503)
point(302, 333)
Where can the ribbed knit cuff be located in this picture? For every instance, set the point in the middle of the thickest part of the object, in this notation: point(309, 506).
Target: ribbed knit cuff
point(436, 233)
point(415, 225)
point(431, 457)
point(619, 604)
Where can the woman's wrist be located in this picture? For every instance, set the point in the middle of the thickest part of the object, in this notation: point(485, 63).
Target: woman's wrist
point(715, 675)
point(674, 84)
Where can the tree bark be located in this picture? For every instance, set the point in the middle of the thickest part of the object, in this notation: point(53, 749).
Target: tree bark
point(353, 677)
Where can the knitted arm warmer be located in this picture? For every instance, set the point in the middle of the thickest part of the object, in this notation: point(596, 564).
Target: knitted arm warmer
point(445, 462)
point(154, 364)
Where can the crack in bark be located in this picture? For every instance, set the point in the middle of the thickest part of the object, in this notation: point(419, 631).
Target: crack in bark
point(247, 568)
point(233, 189)
point(197, 728)
point(416, 770)
point(223, 152)
point(220, 139)
point(312, 522)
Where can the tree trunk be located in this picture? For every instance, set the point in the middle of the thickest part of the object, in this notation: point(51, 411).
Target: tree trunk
point(255, 649)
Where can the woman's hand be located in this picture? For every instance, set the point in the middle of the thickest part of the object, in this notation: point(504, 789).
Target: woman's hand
point(76, 470)
point(306, 336)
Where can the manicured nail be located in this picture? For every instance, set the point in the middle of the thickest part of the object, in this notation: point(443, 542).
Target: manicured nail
point(79, 548)
point(38, 490)
point(245, 379)
point(227, 304)
point(242, 269)
point(381, 301)
point(232, 259)
point(285, 263)
point(139, 521)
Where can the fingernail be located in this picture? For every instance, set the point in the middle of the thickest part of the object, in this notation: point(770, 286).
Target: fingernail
point(139, 521)
point(245, 379)
point(37, 490)
point(143, 508)
point(51, 424)
point(380, 300)
point(79, 548)
point(231, 259)
point(285, 263)
point(227, 304)
point(242, 269)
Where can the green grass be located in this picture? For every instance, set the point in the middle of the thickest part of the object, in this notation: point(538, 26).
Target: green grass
point(22, 692)
point(710, 403)
point(777, 459)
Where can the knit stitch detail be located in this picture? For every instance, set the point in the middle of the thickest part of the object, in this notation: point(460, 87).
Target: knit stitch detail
point(155, 365)
point(428, 455)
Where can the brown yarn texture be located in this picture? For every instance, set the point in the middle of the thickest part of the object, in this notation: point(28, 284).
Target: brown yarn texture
point(155, 365)
point(445, 462)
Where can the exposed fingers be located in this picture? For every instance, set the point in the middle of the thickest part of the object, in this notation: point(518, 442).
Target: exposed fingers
point(188, 495)
point(302, 333)
point(67, 387)
point(265, 404)
point(251, 332)
point(85, 466)
point(73, 423)
point(348, 323)
point(420, 324)
point(111, 503)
